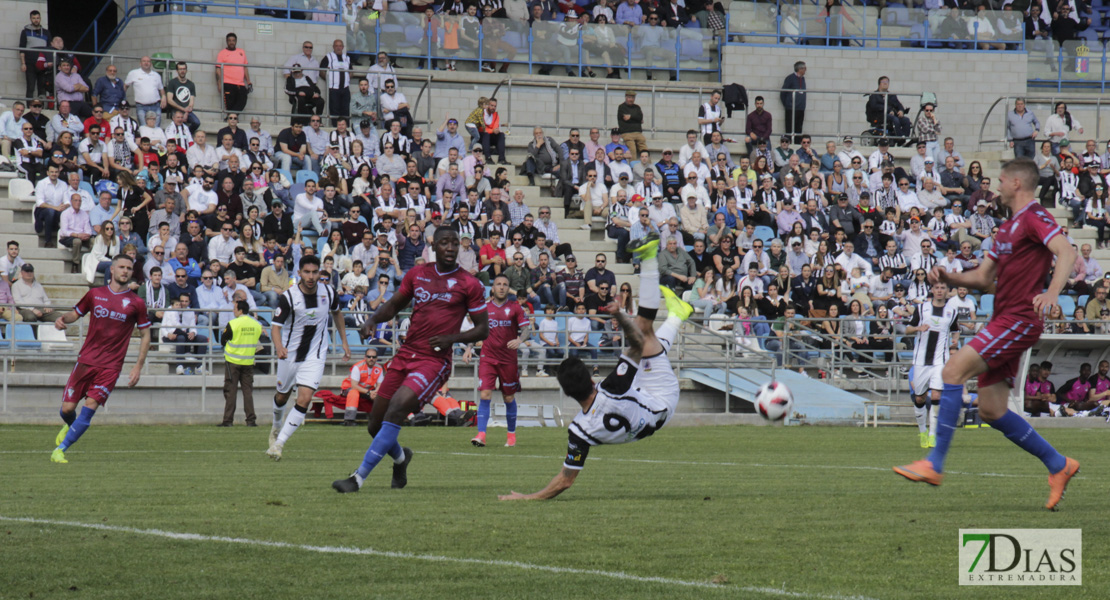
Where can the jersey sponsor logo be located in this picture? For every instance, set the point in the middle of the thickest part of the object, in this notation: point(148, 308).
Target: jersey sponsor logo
point(310, 314)
point(102, 312)
point(1002, 248)
point(424, 279)
point(423, 296)
point(502, 323)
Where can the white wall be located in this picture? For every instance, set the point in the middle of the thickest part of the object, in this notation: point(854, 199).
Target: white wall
point(965, 84)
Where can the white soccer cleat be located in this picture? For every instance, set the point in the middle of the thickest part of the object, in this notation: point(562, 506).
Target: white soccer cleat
point(275, 451)
point(274, 431)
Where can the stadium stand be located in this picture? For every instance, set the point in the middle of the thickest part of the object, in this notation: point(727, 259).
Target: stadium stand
point(821, 222)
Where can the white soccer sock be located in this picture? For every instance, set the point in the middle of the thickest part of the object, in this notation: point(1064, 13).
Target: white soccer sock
point(668, 332)
point(650, 296)
point(933, 410)
point(279, 416)
point(292, 422)
point(921, 414)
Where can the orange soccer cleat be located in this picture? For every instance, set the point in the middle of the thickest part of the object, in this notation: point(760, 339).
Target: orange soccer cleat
point(1058, 483)
point(920, 470)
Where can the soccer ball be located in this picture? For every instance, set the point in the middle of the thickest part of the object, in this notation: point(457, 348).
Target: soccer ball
point(774, 401)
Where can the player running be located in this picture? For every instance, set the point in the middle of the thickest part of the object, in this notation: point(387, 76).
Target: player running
point(509, 327)
point(937, 328)
point(116, 311)
point(300, 334)
point(640, 395)
point(1019, 259)
point(442, 294)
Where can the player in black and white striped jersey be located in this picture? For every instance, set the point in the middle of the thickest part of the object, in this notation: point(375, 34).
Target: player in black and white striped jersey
point(300, 335)
point(640, 395)
point(936, 324)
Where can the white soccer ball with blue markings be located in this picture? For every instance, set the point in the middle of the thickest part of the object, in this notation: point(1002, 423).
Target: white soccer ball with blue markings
point(774, 401)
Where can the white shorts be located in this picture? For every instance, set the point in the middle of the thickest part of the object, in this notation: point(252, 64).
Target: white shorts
point(656, 377)
point(307, 373)
point(925, 378)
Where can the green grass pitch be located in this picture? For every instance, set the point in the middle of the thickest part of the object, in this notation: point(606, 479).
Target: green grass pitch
point(712, 512)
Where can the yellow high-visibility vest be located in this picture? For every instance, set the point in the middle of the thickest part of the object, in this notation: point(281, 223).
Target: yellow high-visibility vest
point(245, 333)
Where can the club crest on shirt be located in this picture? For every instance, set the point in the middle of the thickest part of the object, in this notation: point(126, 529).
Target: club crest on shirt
point(451, 283)
point(622, 369)
point(126, 302)
point(506, 312)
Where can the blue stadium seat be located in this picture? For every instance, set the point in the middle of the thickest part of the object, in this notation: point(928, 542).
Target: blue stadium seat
point(1067, 306)
point(84, 185)
point(764, 233)
point(304, 175)
point(1083, 300)
point(286, 174)
point(25, 337)
point(986, 304)
point(355, 343)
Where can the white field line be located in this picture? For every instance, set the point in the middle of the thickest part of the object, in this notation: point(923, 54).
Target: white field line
point(196, 537)
point(553, 458)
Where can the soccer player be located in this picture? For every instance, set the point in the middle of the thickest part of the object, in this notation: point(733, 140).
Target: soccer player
point(937, 328)
point(116, 311)
point(441, 294)
point(509, 327)
point(637, 398)
point(300, 334)
point(1015, 267)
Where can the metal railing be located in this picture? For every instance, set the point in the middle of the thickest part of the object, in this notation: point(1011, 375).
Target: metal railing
point(258, 9)
point(1075, 64)
point(1087, 111)
point(856, 27)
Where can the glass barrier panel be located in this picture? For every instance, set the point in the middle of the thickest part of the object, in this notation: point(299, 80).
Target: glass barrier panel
point(752, 18)
point(818, 25)
point(362, 35)
point(403, 33)
point(696, 48)
point(1008, 26)
point(556, 44)
point(504, 40)
point(654, 47)
point(605, 45)
point(1081, 61)
point(901, 23)
point(1043, 55)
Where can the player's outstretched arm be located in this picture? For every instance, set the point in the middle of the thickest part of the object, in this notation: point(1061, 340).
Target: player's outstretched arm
point(341, 328)
point(144, 347)
point(61, 322)
point(385, 313)
point(558, 485)
point(1065, 260)
point(633, 335)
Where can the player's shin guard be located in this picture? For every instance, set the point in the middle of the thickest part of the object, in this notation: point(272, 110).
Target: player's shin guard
point(68, 417)
point(78, 428)
point(295, 420)
point(650, 298)
point(1020, 432)
point(933, 410)
point(510, 414)
point(483, 415)
point(921, 414)
point(951, 399)
point(279, 414)
point(383, 444)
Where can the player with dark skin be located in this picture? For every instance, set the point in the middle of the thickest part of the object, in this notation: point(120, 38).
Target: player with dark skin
point(404, 402)
point(639, 334)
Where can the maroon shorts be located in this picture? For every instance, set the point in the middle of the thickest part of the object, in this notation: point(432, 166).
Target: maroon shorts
point(421, 374)
point(490, 372)
point(1001, 344)
point(90, 382)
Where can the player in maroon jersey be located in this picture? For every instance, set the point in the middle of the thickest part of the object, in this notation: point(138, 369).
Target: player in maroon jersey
point(116, 311)
point(509, 327)
point(1019, 259)
point(441, 294)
